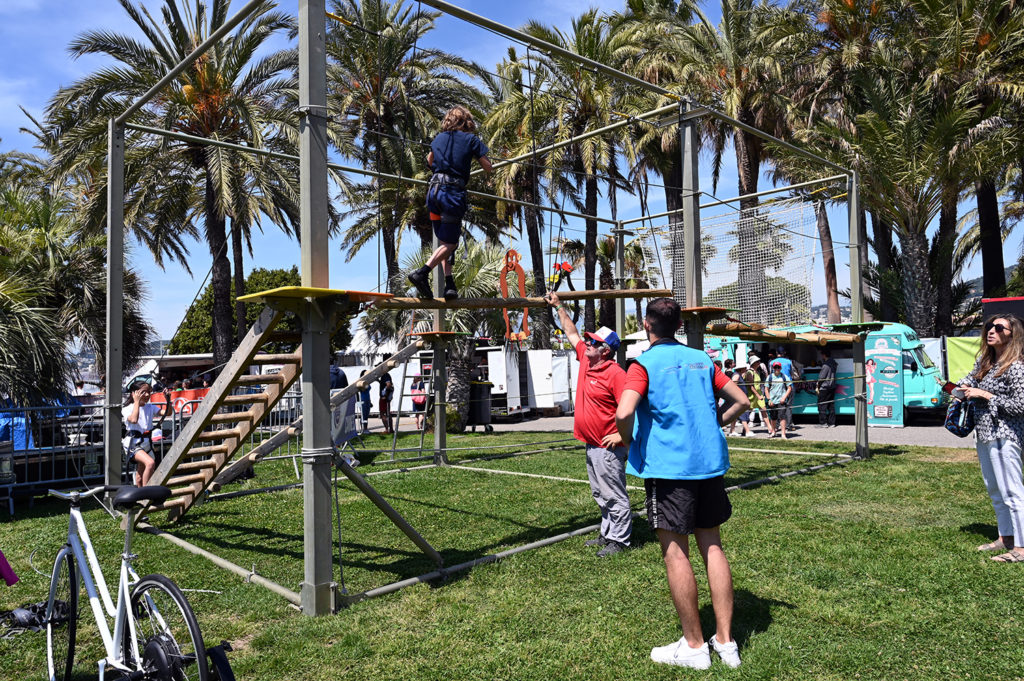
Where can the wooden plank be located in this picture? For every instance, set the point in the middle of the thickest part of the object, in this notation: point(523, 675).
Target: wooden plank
point(246, 398)
point(288, 358)
point(731, 327)
point(498, 303)
point(303, 292)
point(259, 379)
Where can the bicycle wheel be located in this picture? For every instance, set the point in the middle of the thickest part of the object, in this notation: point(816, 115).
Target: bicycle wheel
point(167, 632)
point(62, 616)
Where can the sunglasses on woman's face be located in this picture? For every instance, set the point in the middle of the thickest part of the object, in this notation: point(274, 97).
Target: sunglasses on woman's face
point(998, 327)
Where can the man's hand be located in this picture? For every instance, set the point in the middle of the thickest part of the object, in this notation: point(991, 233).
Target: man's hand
point(551, 298)
point(612, 440)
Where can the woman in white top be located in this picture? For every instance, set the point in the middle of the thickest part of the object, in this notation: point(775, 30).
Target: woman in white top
point(140, 417)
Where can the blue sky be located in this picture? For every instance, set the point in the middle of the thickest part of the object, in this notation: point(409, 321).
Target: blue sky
point(34, 35)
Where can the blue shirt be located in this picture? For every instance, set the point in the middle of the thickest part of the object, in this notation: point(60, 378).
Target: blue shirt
point(454, 152)
point(786, 364)
point(676, 435)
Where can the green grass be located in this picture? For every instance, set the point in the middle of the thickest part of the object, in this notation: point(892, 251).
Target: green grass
point(863, 570)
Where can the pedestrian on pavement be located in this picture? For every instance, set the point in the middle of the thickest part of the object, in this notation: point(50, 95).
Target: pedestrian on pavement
point(996, 384)
point(827, 390)
point(669, 416)
point(387, 391)
point(364, 405)
point(778, 390)
point(744, 378)
point(598, 390)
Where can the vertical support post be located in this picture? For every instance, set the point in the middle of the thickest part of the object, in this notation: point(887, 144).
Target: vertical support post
point(857, 238)
point(439, 372)
point(689, 147)
point(620, 283)
point(317, 589)
point(115, 303)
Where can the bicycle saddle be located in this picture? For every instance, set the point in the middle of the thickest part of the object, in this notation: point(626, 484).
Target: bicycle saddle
point(128, 495)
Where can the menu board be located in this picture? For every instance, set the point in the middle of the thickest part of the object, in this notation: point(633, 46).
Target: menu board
point(884, 379)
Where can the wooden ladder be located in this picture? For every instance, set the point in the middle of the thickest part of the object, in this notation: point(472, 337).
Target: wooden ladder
point(219, 426)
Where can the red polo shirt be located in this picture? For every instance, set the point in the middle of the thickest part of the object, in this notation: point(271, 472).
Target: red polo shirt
point(598, 390)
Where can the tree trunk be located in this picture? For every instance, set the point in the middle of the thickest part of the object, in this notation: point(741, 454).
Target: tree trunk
point(881, 229)
point(944, 245)
point(751, 284)
point(239, 280)
point(534, 223)
point(459, 370)
point(220, 276)
point(993, 269)
point(590, 249)
point(918, 292)
point(828, 261)
point(390, 226)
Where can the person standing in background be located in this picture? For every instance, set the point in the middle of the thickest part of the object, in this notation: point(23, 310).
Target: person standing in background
point(827, 390)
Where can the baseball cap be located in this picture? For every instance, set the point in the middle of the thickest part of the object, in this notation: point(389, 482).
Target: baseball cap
point(776, 365)
point(605, 335)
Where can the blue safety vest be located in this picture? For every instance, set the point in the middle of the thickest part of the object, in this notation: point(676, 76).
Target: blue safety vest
point(676, 435)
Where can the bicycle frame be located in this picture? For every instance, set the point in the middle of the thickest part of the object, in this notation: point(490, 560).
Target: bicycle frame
point(103, 608)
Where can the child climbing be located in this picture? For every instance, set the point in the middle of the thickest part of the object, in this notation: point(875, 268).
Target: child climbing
point(451, 155)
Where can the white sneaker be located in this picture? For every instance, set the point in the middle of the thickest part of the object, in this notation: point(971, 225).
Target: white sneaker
point(681, 654)
point(729, 652)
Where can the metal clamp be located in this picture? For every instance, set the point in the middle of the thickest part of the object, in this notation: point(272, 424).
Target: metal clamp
point(318, 455)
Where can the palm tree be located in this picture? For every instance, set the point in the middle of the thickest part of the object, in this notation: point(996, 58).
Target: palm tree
point(388, 95)
point(230, 94)
point(733, 68)
point(582, 100)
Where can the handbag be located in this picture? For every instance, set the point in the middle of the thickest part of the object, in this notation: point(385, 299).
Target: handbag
point(960, 417)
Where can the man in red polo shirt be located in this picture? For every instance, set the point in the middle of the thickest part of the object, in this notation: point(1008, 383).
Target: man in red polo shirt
point(597, 397)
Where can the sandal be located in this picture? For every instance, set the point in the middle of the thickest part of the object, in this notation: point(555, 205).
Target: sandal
point(1011, 556)
point(994, 546)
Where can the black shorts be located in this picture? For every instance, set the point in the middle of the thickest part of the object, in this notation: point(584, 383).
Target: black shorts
point(448, 232)
point(682, 506)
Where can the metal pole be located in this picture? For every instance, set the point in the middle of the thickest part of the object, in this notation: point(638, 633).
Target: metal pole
point(857, 238)
point(620, 283)
point(191, 58)
point(317, 589)
point(115, 303)
point(688, 143)
point(439, 374)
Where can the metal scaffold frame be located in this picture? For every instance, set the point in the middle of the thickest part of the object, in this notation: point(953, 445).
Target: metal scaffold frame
point(317, 595)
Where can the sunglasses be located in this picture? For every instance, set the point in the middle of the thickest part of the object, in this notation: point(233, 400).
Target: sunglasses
point(998, 327)
point(593, 343)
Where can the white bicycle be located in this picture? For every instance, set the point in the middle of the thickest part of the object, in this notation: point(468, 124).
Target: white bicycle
point(155, 634)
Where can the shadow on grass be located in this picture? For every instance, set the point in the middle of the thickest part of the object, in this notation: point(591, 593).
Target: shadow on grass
point(752, 615)
point(985, 531)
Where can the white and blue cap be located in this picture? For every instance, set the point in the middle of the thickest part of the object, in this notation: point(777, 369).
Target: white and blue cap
point(605, 335)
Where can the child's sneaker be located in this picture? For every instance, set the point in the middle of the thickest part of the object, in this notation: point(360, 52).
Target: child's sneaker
point(729, 652)
point(681, 654)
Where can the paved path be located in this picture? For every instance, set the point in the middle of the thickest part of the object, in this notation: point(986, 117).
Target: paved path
point(928, 433)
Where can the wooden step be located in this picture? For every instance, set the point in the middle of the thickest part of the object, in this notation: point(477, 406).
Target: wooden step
point(232, 417)
point(190, 466)
point(167, 505)
point(259, 379)
point(265, 358)
point(224, 434)
point(204, 452)
point(246, 399)
point(186, 479)
point(180, 492)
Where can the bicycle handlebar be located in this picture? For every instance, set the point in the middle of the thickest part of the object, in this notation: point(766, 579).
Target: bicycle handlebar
point(78, 495)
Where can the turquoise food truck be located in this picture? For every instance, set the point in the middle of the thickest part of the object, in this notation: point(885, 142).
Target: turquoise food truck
point(922, 380)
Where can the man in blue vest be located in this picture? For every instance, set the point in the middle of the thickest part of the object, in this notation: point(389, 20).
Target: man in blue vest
point(677, 446)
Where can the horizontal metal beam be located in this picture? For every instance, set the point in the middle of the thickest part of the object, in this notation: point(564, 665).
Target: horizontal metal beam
point(182, 137)
point(190, 59)
point(496, 303)
point(578, 138)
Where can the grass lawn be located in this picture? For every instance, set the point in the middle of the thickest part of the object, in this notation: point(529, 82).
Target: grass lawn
point(863, 570)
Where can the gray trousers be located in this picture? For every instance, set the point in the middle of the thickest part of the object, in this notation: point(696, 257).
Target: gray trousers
point(606, 469)
point(1001, 470)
